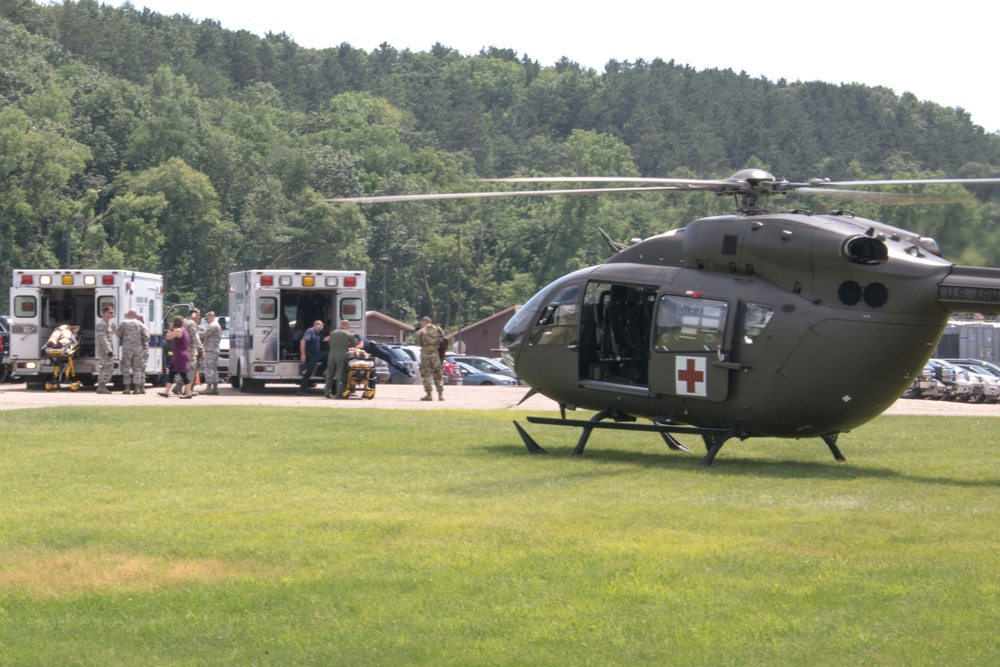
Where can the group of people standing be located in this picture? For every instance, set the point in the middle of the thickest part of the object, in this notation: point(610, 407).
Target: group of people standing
point(340, 343)
point(194, 346)
point(342, 340)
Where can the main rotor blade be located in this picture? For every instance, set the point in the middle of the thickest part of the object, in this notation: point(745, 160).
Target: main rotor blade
point(380, 199)
point(820, 183)
point(879, 197)
point(679, 183)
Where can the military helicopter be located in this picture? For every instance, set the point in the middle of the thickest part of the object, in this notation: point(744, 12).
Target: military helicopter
point(756, 324)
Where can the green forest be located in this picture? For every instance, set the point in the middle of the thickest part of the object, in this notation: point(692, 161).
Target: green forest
point(130, 139)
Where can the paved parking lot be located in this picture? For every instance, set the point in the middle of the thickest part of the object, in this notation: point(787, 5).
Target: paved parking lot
point(14, 396)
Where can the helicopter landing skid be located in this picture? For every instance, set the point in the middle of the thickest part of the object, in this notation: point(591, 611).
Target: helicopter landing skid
point(714, 437)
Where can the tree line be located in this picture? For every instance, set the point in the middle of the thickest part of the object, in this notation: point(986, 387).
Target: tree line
point(130, 139)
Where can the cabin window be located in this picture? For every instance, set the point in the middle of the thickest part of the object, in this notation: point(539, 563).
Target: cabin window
point(25, 306)
point(755, 319)
point(105, 302)
point(558, 321)
point(351, 309)
point(688, 324)
point(267, 308)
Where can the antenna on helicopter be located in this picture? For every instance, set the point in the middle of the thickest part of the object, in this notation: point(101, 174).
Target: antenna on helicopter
point(610, 242)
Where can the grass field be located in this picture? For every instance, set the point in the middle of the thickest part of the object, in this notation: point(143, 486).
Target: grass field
point(260, 536)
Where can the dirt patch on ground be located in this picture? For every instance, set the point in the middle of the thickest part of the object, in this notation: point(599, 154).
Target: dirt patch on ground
point(47, 573)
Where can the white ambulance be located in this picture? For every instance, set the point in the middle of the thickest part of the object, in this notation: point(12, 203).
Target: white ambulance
point(43, 299)
point(270, 310)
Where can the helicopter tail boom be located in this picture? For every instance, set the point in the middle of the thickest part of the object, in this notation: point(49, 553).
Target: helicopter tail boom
point(971, 289)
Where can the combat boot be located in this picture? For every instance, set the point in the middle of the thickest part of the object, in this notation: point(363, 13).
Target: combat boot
point(441, 395)
point(103, 390)
point(428, 397)
point(129, 389)
point(141, 389)
point(215, 389)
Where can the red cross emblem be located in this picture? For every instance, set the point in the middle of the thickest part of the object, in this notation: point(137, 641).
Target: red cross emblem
point(690, 376)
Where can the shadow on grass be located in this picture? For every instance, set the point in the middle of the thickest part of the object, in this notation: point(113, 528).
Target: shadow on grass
point(741, 466)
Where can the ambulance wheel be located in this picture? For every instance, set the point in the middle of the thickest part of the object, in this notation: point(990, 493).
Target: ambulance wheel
point(251, 386)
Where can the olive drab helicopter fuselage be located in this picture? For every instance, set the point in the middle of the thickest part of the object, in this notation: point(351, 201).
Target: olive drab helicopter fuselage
point(760, 324)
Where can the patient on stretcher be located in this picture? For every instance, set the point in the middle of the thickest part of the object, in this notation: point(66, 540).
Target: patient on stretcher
point(63, 337)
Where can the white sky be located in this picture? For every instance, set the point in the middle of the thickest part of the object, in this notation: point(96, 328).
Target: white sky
point(942, 52)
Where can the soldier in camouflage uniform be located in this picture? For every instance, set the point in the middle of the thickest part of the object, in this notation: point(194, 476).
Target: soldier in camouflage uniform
point(104, 348)
point(210, 340)
point(429, 339)
point(135, 350)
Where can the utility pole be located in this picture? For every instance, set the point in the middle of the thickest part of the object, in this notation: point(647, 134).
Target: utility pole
point(458, 222)
point(383, 259)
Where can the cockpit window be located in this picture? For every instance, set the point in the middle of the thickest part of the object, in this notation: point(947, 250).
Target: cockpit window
point(686, 324)
point(558, 321)
point(528, 314)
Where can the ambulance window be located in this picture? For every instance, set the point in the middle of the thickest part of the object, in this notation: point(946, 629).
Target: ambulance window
point(25, 306)
point(351, 309)
point(755, 319)
point(685, 324)
point(267, 308)
point(103, 301)
point(152, 312)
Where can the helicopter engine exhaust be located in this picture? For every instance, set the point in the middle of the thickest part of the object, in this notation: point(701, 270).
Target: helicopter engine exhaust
point(865, 250)
point(971, 289)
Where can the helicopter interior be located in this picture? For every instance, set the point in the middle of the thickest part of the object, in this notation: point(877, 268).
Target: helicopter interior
point(616, 328)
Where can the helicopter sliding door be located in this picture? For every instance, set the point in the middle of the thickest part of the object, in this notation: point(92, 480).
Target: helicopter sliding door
point(615, 326)
point(689, 348)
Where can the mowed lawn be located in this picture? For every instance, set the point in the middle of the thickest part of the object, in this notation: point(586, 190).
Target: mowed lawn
point(260, 536)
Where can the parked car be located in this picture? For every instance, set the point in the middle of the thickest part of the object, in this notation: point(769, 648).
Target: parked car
point(989, 381)
point(223, 365)
point(485, 365)
point(391, 374)
point(956, 380)
point(991, 366)
point(4, 348)
point(926, 386)
point(473, 377)
point(451, 374)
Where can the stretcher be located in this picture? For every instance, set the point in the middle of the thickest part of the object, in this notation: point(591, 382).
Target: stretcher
point(60, 349)
point(360, 377)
